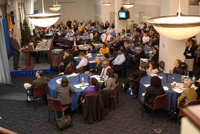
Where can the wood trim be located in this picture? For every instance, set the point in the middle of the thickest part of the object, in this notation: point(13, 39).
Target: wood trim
point(6, 131)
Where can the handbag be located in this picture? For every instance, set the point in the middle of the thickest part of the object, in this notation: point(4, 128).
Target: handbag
point(64, 121)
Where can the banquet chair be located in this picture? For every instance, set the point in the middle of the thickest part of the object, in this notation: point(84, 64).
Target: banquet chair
point(38, 92)
point(121, 68)
point(197, 102)
point(159, 102)
point(82, 42)
point(56, 76)
point(161, 66)
point(115, 95)
point(57, 105)
point(116, 76)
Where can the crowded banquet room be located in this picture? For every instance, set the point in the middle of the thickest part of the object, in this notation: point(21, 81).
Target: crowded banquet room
point(100, 66)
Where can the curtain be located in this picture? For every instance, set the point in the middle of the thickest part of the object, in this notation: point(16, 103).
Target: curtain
point(4, 66)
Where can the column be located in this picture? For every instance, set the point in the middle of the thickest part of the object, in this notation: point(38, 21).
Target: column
point(29, 8)
point(170, 50)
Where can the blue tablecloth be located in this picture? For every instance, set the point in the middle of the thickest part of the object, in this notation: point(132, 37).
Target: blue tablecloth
point(146, 50)
point(78, 38)
point(172, 96)
point(91, 65)
point(72, 81)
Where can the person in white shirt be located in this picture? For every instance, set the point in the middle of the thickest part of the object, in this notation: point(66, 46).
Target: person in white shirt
point(119, 59)
point(69, 34)
point(105, 65)
point(83, 61)
point(106, 37)
point(90, 35)
point(145, 38)
point(141, 26)
point(109, 29)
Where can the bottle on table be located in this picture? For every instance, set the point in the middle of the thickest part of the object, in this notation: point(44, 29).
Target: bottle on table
point(193, 79)
point(82, 81)
point(187, 74)
point(88, 77)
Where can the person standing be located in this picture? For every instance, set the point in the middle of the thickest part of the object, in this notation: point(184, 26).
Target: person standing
point(15, 48)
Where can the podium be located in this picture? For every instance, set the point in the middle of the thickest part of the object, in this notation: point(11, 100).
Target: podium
point(28, 49)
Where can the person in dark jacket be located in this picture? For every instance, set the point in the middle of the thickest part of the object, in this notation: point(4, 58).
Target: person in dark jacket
point(74, 43)
point(154, 56)
point(136, 57)
point(155, 89)
point(71, 67)
point(177, 69)
point(91, 49)
point(133, 81)
point(66, 59)
point(97, 69)
point(76, 51)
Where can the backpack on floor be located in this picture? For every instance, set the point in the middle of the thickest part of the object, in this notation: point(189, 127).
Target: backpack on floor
point(129, 91)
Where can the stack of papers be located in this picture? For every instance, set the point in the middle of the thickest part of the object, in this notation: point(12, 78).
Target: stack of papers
point(81, 85)
point(97, 77)
point(99, 54)
point(76, 57)
point(71, 75)
point(143, 59)
point(165, 87)
point(178, 90)
point(146, 85)
point(160, 77)
point(58, 81)
point(91, 61)
point(153, 75)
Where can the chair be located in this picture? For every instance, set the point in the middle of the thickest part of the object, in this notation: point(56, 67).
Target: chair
point(184, 72)
point(115, 95)
point(57, 105)
point(116, 76)
point(161, 66)
point(197, 102)
point(38, 92)
point(82, 42)
point(159, 102)
point(56, 76)
point(122, 68)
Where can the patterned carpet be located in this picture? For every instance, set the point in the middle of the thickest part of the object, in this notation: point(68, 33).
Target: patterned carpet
point(16, 116)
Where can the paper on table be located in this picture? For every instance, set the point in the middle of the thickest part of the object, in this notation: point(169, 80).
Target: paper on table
point(143, 59)
point(81, 85)
point(146, 85)
point(83, 88)
point(71, 75)
point(58, 81)
point(160, 77)
point(178, 90)
point(150, 52)
point(165, 87)
point(99, 54)
point(153, 75)
point(91, 61)
point(76, 57)
point(96, 76)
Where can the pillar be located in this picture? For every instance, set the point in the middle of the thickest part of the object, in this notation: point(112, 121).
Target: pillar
point(29, 8)
point(170, 50)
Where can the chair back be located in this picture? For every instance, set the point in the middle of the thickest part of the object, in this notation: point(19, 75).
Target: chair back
point(84, 68)
point(184, 66)
point(57, 104)
point(138, 80)
point(184, 72)
point(40, 91)
point(56, 76)
point(60, 39)
point(115, 89)
point(116, 76)
point(197, 102)
point(160, 101)
point(161, 64)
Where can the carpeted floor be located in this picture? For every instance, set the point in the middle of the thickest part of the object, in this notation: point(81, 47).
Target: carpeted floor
point(16, 116)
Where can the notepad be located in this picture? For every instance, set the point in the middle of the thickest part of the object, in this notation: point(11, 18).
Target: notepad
point(146, 85)
point(76, 57)
point(71, 75)
point(58, 81)
point(81, 85)
point(165, 88)
point(91, 61)
point(144, 59)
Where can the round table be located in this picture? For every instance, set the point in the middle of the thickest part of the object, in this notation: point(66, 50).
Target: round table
point(172, 95)
point(147, 50)
point(72, 81)
point(91, 64)
point(78, 38)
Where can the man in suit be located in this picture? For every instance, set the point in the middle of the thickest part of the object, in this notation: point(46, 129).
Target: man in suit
point(97, 69)
point(41, 80)
point(116, 45)
point(126, 45)
point(15, 48)
point(105, 65)
point(66, 59)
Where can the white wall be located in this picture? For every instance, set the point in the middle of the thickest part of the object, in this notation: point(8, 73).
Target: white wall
point(3, 2)
point(107, 9)
point(81, 10)
point(98, 10)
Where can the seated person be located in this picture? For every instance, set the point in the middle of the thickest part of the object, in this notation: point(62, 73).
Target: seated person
point(105, 65)
point(38, 39)
point(76, 51)
point(178, 69)
point(110, 43)
point(80, 28)
point(116, 45)
point(106, 57)
point(120, 58)
point(109, 29)
point(96, 37)
point(90, 35)
point(71, 67)
point(123, 33)
point(113, 33)
point(69, 34)
point(62, 93)
point(36, 54)
point(92, 89)
point(152, 68)
point(131, 44)
point(41, 80)
point(85, 34)
point(155, 89)
point(136, 57)
point(106, 36)
point(138, 42)
point(97, 69)
point(83, 61)
point(188, 95)
point(66, 59)
point(91, 49)
point(74, 42)
point(145, 38)
point(134, 83)
point(127, 47)
point(110, 83)
point(104, 49)
point(154, 56)
point(90, 27)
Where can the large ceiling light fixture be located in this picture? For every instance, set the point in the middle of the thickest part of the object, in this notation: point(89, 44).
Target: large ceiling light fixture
point(107, 3)
point(177, 27)
point(44, 19)
point(128, 4)
point(55, 6)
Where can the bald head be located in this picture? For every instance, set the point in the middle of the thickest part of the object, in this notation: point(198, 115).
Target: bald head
point(105, 63)
point(97, 60)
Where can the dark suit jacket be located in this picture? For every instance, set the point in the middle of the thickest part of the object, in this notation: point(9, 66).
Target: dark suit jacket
point(152, 93)
point(63, 94)
point(38, 82)
point(14, 46)
point(178, 70)
point(138, 74)
point(75, 53)
point(63, 34)
point(67, 60)
point(140, 54)
point(128, 50)
point(155, 57)
point(97, 69)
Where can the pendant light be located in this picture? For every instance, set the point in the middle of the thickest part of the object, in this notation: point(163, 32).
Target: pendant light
point(55, 6)
point(128, 4)
point(44, 19)
point(177, 27)
point(107, 3)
